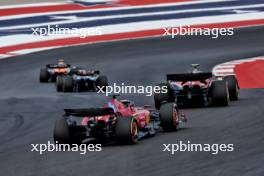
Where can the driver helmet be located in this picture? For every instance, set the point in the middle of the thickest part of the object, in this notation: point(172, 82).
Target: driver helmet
point(61, 62)
point(82, 71)
point(195, 68)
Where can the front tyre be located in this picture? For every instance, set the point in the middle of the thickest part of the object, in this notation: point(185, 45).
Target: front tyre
point(126, 130)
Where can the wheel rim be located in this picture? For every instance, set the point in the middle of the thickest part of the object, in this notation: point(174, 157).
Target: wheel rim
point(134, 131)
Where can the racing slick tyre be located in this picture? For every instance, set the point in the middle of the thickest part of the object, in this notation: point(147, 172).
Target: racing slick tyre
point(59, 83)
point(233, 87)
point(61, 132)
point(68, 84)
point(126, 130)
point(220, 96)
point(80, 88)
point(102, 81)
point(44, 75)
point(162, 97)
point(168, 117)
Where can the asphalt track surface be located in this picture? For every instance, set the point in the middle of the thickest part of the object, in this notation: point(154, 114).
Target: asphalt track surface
point(29, 109)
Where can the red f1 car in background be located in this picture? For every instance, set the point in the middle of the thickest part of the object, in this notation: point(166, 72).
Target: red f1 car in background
point(197, 86)
point(118, 120)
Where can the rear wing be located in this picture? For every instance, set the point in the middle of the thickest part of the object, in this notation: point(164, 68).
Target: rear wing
point(90, 112)
point(189, 76)
point(57, 66)
point(90, 73)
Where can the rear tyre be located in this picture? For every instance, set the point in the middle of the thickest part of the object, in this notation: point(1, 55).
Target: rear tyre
point(220, 95)
point(102, 81)
point(68, 84)
point(232, 87)
point(59, 83)
point(126, 130)
point(80, 88)
point(53, 78)
point(44, 75)
point(160, 97)
point(61, 133)
point(168, 117)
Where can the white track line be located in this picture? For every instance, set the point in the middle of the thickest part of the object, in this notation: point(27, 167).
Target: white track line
point(137, 26)
point(88, 19)
point(111, 9)
point(33, 5)
point(219, 71)
point(225, 66)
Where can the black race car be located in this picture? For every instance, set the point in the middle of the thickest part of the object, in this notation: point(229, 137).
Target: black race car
point(80, 79)
point(51, 71)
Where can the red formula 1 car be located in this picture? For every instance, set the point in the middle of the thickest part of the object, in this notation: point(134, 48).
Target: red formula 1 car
point(198, 88)
point(118, 120)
